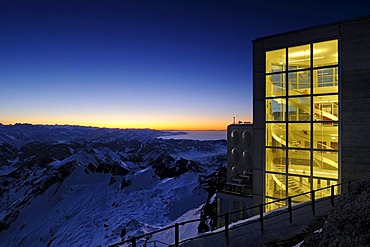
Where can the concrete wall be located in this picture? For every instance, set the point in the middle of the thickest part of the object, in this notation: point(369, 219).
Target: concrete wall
point(258, 122)
point(239, 148)
point(277, 227)
point(227, 202)
point(355, 98)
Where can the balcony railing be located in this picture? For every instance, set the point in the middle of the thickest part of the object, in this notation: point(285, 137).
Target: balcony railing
point(147, 238)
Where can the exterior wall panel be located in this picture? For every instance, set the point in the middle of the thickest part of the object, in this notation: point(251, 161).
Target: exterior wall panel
point(355, 48)
point(258, 123)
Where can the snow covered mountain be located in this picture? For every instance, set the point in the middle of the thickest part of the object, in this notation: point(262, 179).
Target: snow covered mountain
point(84, 186)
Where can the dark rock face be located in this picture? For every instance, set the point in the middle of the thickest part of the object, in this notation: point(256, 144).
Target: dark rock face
point(214, 181)
point(51, 177)
point(167, 167)
point(42, 153)
point(111, 167)
point(349, 223)
point(7, 154)
point(211, 184)
point(125, 183)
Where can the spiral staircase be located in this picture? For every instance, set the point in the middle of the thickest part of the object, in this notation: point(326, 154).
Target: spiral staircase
point(296, 185)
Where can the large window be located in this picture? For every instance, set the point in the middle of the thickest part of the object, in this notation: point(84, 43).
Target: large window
point(302, 116)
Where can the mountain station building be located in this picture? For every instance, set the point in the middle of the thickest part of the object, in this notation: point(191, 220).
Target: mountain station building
point(311, 116)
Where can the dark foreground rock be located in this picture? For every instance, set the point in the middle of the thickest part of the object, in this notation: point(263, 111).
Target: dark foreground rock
point(349, 223)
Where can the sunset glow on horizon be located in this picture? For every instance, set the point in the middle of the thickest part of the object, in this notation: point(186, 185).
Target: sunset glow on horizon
point(157, 125)
point(166, 65)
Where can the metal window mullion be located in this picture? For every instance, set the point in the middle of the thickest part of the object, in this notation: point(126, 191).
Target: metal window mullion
point(325, 94)
point(286, 122)
point(339, 68)
point(325, 150)
point(312, 118)
point(264, 180)
point(325, 67)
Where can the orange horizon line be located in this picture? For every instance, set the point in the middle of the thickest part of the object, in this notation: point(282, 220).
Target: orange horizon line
point(102, 127)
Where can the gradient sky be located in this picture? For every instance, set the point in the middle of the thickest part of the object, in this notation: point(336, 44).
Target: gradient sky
point(141, 64)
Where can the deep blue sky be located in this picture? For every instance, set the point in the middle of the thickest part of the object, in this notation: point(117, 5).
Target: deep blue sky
point(158, 64)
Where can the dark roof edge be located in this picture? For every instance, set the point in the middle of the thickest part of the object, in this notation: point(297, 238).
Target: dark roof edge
point(312, 27)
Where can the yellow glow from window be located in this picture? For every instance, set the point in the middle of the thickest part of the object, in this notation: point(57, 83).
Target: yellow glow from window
point(292, 147)
point(299, 57)
point(275, 60)
point(305, 53)
point(325, 53)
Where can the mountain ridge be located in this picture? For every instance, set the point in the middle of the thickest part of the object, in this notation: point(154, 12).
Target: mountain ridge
point(50, 188)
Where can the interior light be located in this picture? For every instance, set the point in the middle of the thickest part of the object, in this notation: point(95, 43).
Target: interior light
point(299, 53)
point(306, 53)
point(306, 59)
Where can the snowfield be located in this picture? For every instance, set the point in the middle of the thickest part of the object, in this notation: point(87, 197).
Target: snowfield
point(66, 186)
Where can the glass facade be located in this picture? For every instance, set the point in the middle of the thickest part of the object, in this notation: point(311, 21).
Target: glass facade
point(302, 121)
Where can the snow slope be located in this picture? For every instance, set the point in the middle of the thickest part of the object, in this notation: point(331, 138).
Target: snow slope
point(95, 190)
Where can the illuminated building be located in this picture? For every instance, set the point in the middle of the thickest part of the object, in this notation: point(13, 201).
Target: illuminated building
point(311, 105)
point(311, 95)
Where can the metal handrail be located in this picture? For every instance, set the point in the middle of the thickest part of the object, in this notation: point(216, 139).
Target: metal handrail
point(261, 207)
point(155, 243)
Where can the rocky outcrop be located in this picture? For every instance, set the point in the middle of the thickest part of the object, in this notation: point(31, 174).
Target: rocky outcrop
point(348, 224)
point(167, 167)
point(37, 187)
